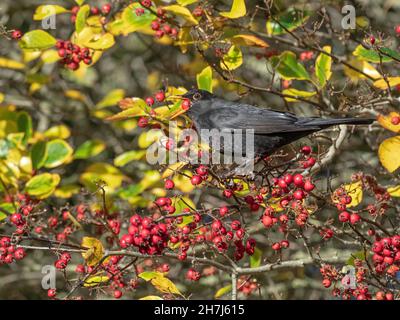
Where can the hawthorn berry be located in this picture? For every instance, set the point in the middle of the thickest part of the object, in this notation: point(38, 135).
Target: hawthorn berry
point(51, 293)
point(16, 34)
point(276, 246)
point(106, 8)
point(169, 184)
point(395, 120)
point(196, 180)
point(186, 102)
point(117, 294)
point(354, 218)
point(344, 216)
point(298, 180)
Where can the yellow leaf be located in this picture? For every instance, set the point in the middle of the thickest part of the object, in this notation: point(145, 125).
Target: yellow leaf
point(50, 56)
point(160, 282)
point(323, 66)
point(46, 11)
point(95, 251)
point(183, 12)
point(75, 95)
point(111, 99)
point(67, 191)
point(363, 66)
point(391, 81)
point(172, 169)
point(389, 153)
point(356, 192)
point(238, 10)
point(297, 93)
point(248, 40)
point(96, 280)
point(1, 97)
point(151, 298)
point(233, 59)
point(11, 64)
point(386, 122)
point(61, 132)
point(222, 291)
point(102, 172)
point(394, 191)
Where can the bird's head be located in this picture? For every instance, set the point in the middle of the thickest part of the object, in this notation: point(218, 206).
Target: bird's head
point(195, 95)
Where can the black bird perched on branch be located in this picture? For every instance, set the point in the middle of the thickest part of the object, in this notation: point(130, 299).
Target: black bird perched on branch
point(272, 129)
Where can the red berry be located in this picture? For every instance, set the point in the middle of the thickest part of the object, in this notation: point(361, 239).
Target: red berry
point(155, 25)
point(235, 225)
point(306, 150)
point(105, 9)
point(395, 120)
point(326, 283)
point(299, 194)
point(51, 293)
point(169, 184)
point(202, 170)
point(186, 104)
point(196, 180)
point(308, 186)
point(276, 246)
point(344, 216)
point(149, 101)
point(372, 39)
point(143, 122)
point(285, 244)
point(267, 221)
point(16, 34)
point(160, 96)
point(228, 193)
point(19, 254)
point(223, 211)
point(117, 294)
point(354, 218)
point(298, 180)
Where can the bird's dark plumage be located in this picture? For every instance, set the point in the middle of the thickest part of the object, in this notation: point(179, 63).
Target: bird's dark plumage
point(272, 129)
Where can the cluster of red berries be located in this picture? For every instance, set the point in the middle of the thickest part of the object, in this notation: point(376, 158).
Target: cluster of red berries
point(149, 236)
point(193, 275)
point(95, 11)
point(386, 255)
point(9, 252)
point(63, 261)
point(306, 55)
point(165, 204)
point(71, 54)
point(161, 27)
point(247, 287)
point(200, 176)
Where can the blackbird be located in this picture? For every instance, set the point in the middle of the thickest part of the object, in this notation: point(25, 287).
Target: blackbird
point(272, 129)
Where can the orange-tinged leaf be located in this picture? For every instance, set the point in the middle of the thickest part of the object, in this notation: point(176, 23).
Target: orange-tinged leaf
point(386, 122)
point(389, 153)
point(248, 40)
point(95, 251)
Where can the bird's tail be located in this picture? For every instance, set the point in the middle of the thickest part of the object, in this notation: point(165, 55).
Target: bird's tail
point(331, 122)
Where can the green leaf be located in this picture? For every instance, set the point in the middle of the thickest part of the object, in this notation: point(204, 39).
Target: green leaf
point(96, 280)
point(133, 22)
point(289, 20)
point(323, 66)
point(37, 40)
point(182, 12)
point(38, 154)
point(24, 123)
point(111, 99)
point(58, 152)
point(88, 149)
point(81, 17)
point(374, 56)
point(148, 275)
point(222, 291)
point(129, 156)
point(288, 67)
point(255, 259)
point(356, 255)
point(42, 185)
point(45, 11)
point(297, 93)
point(204, 79)
point(233, 59)
point(238, 10)
point(7, 207)
point(102, 172)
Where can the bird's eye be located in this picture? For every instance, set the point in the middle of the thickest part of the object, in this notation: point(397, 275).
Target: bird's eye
point(197, 96)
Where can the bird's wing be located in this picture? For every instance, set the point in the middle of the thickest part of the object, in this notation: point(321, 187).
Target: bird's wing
point(230, 115)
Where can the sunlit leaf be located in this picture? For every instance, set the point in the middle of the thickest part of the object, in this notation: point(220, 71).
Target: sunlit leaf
point(394, 191)
point(248, 40)
point(238, 10)
point(386, 83)
point(204, 79)
point(356, 192)
point(372, 55)
point(364, 67)
point(182, 12)
point(37, 40)
point(223, 291)
point(386, 121)
point(111, 99)
point(389, 153)
point(89, 149)
point(297, 94)
point(42, 185)
point(81, 17)
point(256, 258)
point(171, 169)
point(288, 67)
point(323, 66)
point(96, 280)
point(58, 152)
point(45, 11)
point(67, 191)
point(11, 64)
point(151, 298)
point(126, 157)
point(160, 282)
point(94, 252)
point(58, 132)
point(102, 172)
point(233, 59)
